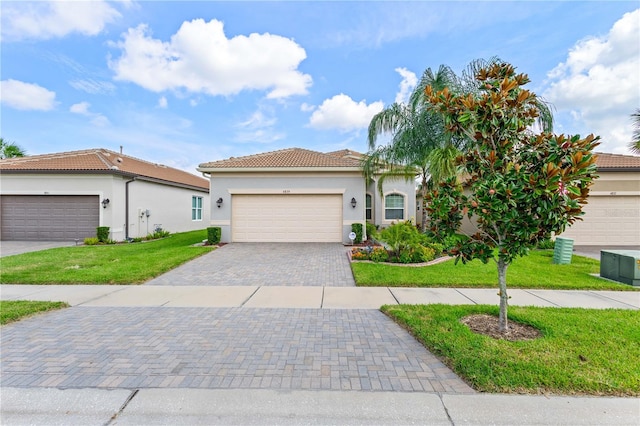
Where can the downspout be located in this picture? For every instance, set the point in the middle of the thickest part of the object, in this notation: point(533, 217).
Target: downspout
point(126, 208)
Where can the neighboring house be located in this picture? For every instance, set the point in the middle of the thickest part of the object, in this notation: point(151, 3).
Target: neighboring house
point(612, 216)
point(298, 195)
point(66, 196)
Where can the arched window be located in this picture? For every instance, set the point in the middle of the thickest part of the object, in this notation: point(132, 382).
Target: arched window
point(394, 207)
point(368, 208)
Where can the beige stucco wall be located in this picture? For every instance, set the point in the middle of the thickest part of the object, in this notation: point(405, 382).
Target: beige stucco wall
point(407, 188)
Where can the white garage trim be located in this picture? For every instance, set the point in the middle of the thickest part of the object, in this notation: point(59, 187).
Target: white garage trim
point(286, 218)
point(287, 191)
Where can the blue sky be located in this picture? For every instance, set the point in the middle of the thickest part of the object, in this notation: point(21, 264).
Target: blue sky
point(182, 83)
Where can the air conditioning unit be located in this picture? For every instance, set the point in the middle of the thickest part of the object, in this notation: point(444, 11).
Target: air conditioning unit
point(621, 265)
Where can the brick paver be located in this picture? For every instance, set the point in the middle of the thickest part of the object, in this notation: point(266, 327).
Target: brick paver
point(266, 264)
point(163, 347)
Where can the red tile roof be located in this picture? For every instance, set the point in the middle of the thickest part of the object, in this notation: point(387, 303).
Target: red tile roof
point(614, 162)
point(285, 158)
point(101, 161)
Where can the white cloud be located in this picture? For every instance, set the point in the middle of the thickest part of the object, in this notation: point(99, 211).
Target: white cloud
point(258, 128)
point(408, 83)
point(46, 20)
point(26, 96)
point(200, 58)
point(343, 113)
point(162, 102)
point(598, 84)
point(94, 87)
point(82, 108)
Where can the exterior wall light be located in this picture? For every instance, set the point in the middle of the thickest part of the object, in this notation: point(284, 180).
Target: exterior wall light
point(105, 203)
point(353, 202)
point(219, 202)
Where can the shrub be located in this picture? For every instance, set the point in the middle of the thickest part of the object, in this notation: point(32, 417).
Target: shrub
point(379, 254)
point(91, 241)
point(357, 228)
point(372, 231)
point(546, 244)
point(213, 235)
point(136, 240)
point(158, 233)
point(103, 234)
point(401, 237)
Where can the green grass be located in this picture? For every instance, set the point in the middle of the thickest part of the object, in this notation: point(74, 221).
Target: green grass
point(108, 264)
point(533, 271)
point(582, 351)
point(14, 310)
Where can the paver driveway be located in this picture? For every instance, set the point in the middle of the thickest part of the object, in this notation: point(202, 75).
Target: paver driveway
point(217, 348)
point(266, 264)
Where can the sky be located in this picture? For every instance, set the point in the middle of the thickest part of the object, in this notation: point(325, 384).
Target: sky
point(189, 82)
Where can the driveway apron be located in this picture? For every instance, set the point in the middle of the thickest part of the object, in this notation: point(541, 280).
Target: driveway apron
point(266, 264)
point(220, 348)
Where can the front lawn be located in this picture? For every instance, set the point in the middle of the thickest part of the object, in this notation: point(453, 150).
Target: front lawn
point(14, 310)
point(582, 351)
point(109, 264)
point(533, 271)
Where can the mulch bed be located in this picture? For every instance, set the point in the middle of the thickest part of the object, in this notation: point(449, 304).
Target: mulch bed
point(488, 325)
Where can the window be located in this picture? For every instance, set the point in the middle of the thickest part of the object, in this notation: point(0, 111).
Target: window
point(368, 210)
point(196, 208)
point(394, 207)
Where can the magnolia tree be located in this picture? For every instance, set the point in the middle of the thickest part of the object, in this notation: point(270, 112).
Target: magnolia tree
point(519, 187)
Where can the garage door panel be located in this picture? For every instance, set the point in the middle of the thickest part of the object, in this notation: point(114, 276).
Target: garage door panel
point(286, 218)
point(49, 217)
point(608, 220)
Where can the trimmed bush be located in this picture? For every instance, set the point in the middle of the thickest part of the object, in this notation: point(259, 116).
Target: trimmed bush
point(214, 234)
point(103, 234)
point(357, 228)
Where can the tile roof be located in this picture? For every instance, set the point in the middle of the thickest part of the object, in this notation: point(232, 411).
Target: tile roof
point(101, 161)
point(285, 158)
point(346, 153)
point(606, 161)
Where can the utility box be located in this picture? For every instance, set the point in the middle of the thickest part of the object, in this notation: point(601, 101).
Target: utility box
point(563, 250)
point(621, 265)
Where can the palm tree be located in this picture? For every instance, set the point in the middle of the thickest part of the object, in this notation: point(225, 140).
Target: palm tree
point(634, 145)
point(419, 145)
point(10, 150)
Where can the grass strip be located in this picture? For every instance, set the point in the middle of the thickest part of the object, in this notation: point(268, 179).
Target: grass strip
point(127, 263)
point(535, 271)
point(582, 351)
point(14, 310)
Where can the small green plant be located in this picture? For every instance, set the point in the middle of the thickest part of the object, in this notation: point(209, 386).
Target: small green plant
point(379, 254)
point(357, 228)
point(213, 235)
point(546, 244)
point(136, 240)
point(158, 233)
point(103, 234)
point(401, 237)
point(91, 241)
point(372, 231)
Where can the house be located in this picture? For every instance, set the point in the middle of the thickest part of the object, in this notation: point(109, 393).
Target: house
point(299, 195)
point(67, 195)
point(612, 215)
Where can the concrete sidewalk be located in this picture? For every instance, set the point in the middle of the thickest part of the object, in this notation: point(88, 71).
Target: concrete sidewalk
point(268, 407)
point(309, 297)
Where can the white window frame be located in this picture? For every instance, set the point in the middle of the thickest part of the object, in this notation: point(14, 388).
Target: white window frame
point(196, 208)
point(404, 206)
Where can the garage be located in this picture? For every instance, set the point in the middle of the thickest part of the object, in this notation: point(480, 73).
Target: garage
point(286, 218)
point(49, 217)
point(608, 220)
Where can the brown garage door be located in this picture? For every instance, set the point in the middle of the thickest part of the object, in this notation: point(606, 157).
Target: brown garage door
point(48, 217)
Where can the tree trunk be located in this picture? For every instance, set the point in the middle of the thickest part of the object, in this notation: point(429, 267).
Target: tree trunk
point(424, 202)
point(504, 299)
